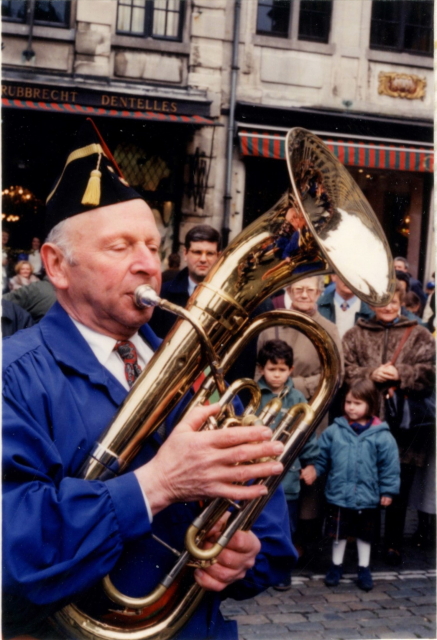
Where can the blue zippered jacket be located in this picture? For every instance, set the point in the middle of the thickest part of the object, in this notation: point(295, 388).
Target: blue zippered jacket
point(62, 534)
point(360, 468)
point(308, 455)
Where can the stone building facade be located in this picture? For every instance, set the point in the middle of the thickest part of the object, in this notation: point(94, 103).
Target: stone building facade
point(158, 79)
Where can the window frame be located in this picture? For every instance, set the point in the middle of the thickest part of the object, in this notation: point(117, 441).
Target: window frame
point(293, 42)
point(315, 39)
point(41, 23)
point(269, 34)
point(401, 25)
point(147, 31)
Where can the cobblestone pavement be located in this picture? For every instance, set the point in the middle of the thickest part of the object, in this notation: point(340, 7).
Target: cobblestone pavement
point(402, 603)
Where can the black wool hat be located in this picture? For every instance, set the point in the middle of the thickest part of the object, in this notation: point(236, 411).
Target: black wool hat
point(90, 179)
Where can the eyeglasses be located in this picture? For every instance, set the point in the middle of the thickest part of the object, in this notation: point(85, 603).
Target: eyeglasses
point(199, 254)
point(308, 290)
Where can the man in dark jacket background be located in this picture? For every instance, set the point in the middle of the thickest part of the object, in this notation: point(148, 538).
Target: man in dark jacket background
point(201, 252)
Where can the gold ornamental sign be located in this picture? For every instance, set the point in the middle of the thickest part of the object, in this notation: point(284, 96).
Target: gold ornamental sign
point(401, 85)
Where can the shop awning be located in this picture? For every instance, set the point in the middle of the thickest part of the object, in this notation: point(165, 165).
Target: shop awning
point(268, 144)
point(59, 107)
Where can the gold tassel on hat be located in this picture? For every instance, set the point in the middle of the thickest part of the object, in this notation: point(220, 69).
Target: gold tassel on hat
point(92, 191)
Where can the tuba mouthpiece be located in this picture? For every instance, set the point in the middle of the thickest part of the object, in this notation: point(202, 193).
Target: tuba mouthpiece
point(146, 296)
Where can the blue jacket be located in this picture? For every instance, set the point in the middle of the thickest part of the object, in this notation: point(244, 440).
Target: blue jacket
point(360, 468)
point(61, 534)
point(327, 308)
point(309, 453)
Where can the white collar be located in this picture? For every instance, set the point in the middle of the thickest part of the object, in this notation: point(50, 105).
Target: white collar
point(103, 346)
point(191, 286)
point(339, 300)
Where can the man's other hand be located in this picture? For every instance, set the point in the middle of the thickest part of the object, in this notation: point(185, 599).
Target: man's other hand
point(232, 563)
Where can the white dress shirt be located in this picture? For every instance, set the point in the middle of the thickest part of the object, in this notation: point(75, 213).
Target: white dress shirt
point(287, 300)
point(103, 348)
point(35, 260)
point(191, 286)
point(345, 320)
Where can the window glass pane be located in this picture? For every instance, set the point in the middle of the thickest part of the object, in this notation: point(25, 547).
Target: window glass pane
point(402, 25)
point(386, 24)
point(15, 9)
point(172, 24)
point(418, 35)
point(273, 17)
point(137, 25)
point(57, 11)
point(123, 19)
point(315, 20)
point(419, 13)
point(167, 15)
point(158, 23)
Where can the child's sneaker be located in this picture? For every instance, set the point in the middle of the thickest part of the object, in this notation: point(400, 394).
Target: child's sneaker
point(364, 581)
point(334, 575)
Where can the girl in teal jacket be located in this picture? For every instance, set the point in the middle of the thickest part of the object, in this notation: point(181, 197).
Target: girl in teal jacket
point(361, 460)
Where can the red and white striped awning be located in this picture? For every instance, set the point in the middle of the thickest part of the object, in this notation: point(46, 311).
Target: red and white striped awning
point(354, 153)
point(60, 107)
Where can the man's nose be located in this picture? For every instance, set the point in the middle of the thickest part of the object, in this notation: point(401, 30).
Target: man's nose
point(145, 260)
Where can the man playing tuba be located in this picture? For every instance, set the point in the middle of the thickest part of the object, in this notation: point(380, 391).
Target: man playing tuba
point(63, 380)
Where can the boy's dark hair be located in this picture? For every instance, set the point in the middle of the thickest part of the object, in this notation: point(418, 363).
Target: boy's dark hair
point(202, 233)
point(366, 391)
point(275, 350)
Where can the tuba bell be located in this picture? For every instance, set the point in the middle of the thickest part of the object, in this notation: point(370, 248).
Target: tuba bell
point(322, 224)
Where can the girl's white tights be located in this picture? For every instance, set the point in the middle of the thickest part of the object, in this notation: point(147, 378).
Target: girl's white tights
point(339, 547)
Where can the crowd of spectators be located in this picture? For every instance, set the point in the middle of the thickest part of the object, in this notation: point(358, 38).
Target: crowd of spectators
point(387, 351)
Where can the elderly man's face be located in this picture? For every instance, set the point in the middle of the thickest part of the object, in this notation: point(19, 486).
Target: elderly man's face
point(400, 266)
point(115, 249)
point(304, 295)
point(342, 288)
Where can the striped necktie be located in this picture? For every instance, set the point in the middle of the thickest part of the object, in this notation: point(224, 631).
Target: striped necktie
point(128, 353)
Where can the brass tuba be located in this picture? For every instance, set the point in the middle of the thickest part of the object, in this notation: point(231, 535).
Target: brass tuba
point(322, 224)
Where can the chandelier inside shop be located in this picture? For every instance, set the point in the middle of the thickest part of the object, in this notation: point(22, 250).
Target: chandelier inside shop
point(17, 202)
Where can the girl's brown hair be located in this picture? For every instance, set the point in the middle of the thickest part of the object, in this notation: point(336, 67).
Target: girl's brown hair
point(366, 391)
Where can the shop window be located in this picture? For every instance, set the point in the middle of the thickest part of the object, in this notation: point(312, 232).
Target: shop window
point(47, 12)
point(403, 26)
point(275, 18)
point(162, 19)
point(315, 20)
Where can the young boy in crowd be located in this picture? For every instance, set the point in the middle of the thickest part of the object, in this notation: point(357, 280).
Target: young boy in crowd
point(275, 361)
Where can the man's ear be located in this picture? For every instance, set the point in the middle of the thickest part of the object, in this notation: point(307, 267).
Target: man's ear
point(56, 265)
